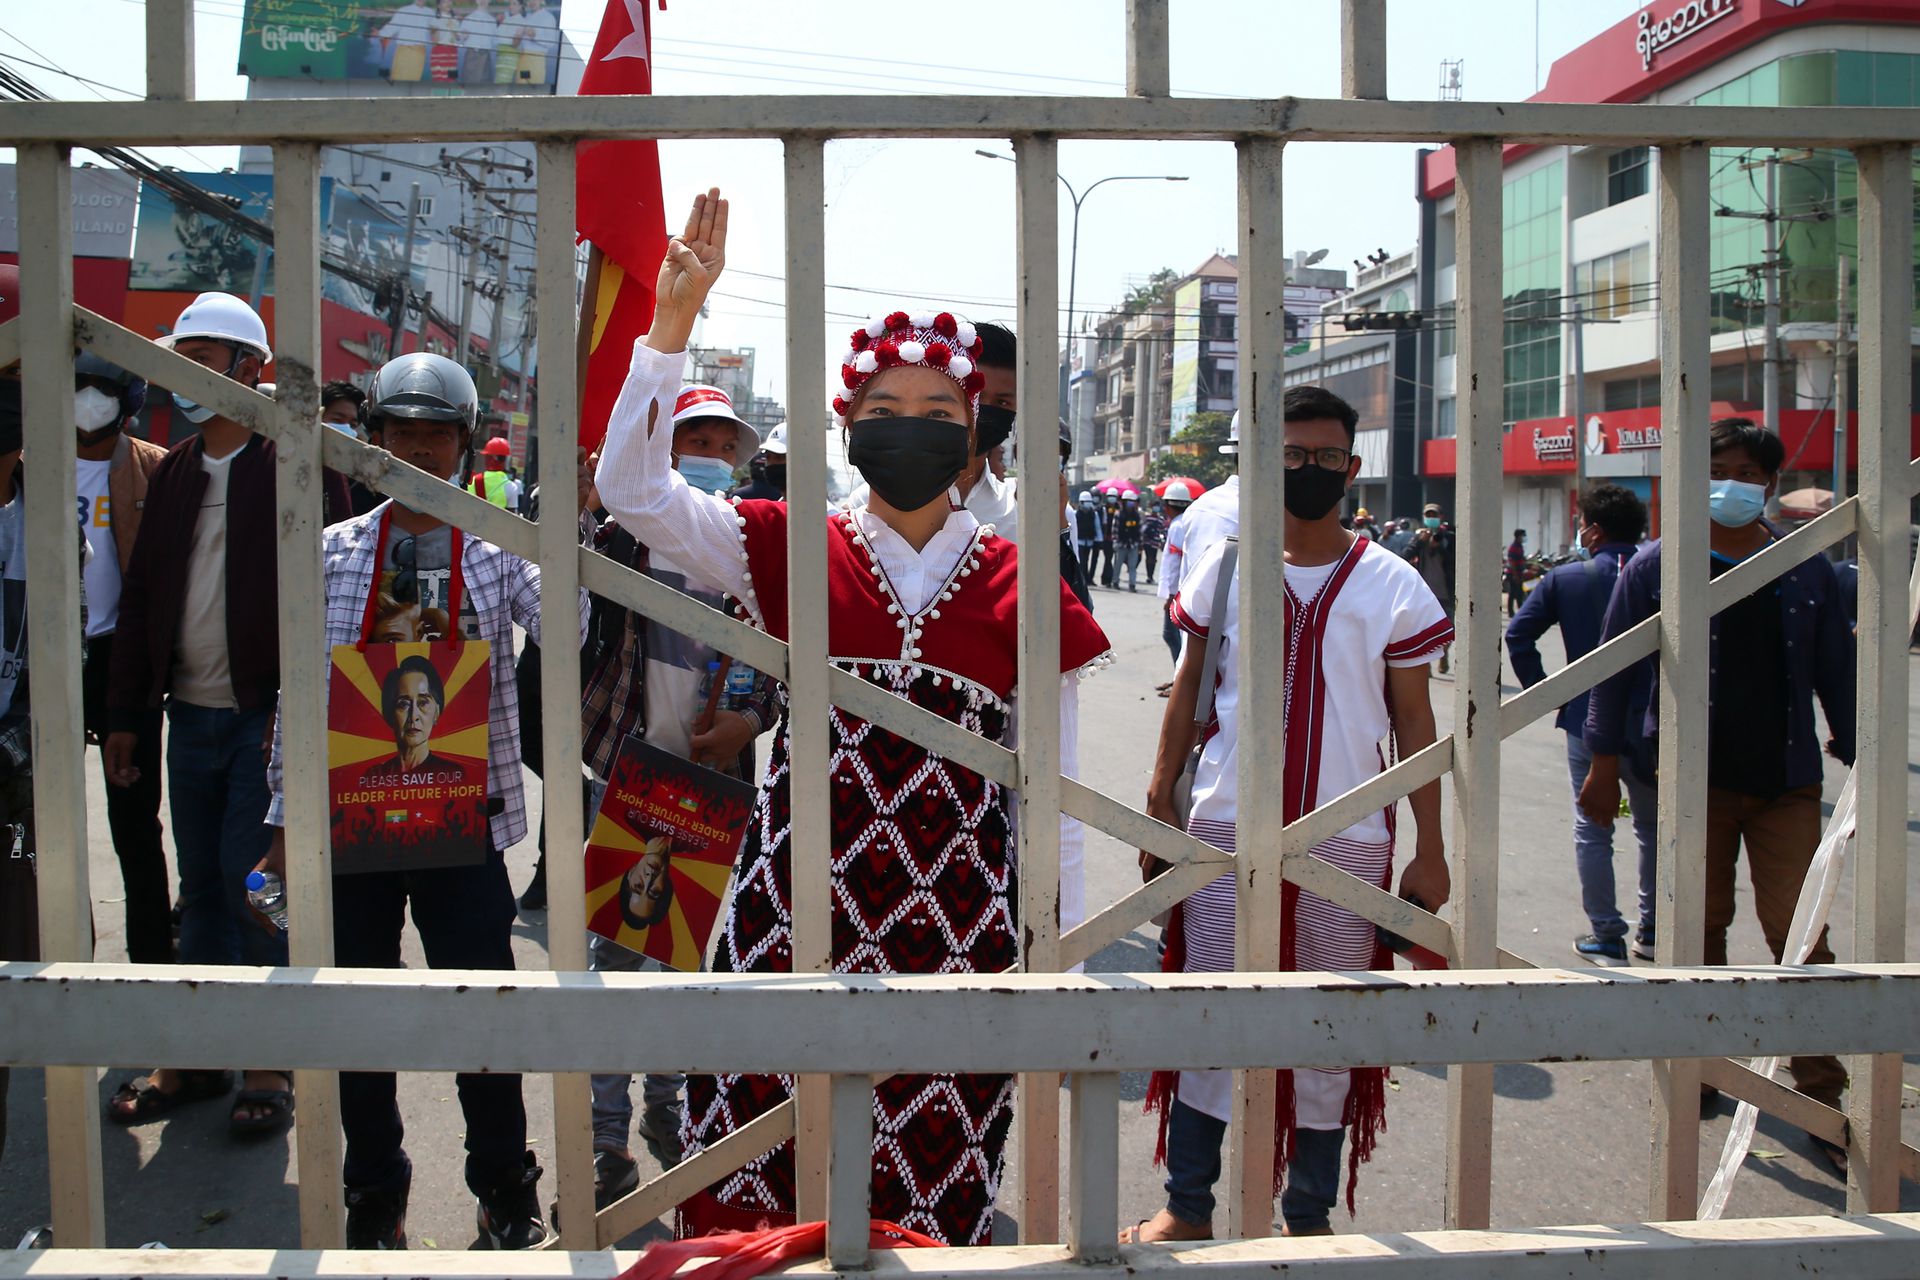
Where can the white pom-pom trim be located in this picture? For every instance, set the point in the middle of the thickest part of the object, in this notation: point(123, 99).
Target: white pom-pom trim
point(867, 362)
point(922, 319)
point(850, 357)
point(877, 327)
point(960, 366)
point(966, 335)
point(912, 352)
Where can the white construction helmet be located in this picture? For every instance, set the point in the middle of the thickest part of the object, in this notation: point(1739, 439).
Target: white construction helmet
point(1177, 492)
point(1233, 435)
point(223, 318)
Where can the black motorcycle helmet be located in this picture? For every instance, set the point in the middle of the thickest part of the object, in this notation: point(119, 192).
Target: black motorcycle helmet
point(423, 386)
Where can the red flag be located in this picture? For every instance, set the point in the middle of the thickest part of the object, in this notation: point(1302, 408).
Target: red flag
point(617, 185)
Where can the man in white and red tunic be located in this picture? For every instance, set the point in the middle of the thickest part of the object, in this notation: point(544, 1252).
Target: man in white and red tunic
point(1361, 629)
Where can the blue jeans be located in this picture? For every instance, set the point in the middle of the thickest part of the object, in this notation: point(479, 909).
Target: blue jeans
point(217, 784)
point(1194, 1139)
point(1171, 633)
point(1593, 847)
point(1130, 561)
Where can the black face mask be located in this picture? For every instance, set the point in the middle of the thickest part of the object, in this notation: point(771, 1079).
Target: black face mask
point(909, 462)
point(777, 477)
point(991, 427)
point(1311, 491)
point(10, 420)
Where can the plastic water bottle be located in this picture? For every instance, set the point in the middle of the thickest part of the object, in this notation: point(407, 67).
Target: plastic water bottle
point(739, 689)
point(268, 896)
point(705, 690)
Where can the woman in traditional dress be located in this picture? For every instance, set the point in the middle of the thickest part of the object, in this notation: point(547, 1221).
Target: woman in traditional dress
point(921, 603)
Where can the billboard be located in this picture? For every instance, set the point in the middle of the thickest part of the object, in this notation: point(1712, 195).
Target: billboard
point(103, 204)
point(448, 44)
point(1184, 394)
point(178, 247)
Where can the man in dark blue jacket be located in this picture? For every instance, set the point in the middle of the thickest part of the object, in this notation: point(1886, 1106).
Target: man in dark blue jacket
point(1574, 597)
point(1770, 655)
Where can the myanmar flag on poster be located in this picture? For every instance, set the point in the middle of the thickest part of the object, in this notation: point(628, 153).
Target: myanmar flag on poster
point(661, 850)
point(617, 185)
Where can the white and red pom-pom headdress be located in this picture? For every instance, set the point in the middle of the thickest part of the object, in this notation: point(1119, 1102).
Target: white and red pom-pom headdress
point(941, 341)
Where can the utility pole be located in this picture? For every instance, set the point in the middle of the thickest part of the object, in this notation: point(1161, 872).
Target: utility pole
point(1770, 343)
point(1579, 403)
point(1842, 406)
point(406, 273)
point(466, 319)
point(426, 309)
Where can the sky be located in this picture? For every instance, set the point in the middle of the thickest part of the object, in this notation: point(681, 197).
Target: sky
point(910, 222)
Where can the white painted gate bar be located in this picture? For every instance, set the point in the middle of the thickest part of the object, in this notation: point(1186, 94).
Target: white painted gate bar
point(53, 668)
point(1037, 914)
point(558, 539)
point(304, 661)
point(810, 851)
point(1886, 191)
point(1476, 691)
point(1263, 849)
point(1682, 252)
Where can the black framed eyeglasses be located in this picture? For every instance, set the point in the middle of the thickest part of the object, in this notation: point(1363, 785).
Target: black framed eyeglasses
point(1332, 457)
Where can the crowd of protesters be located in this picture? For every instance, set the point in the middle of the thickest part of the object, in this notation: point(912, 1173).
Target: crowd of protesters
point(181, 622)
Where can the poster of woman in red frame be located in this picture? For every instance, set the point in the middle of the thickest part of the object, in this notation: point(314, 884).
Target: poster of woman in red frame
point(407, 755)
point(661, 851)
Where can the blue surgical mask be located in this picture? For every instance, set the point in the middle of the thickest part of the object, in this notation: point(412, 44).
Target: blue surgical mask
point(191, 410)
point(1580, 552)
point(1432, 522)
point(708, 475)
point(344, 428)
point(1734, 504)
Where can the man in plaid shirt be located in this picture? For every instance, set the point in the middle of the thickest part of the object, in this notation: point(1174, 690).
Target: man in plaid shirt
point(428, 406)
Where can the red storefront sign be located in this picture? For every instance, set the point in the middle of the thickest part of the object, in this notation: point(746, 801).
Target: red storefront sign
point(1667, 42)
point(1627, 442)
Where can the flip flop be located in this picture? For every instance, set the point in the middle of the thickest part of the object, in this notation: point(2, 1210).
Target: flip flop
point(278, 1105)
point(139, 1100)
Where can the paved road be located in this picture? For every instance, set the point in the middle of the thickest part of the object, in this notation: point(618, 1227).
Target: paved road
point(1571, 1143)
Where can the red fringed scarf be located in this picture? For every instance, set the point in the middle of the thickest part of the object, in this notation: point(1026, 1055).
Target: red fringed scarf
point(742, 1255)
point(1366, 1110)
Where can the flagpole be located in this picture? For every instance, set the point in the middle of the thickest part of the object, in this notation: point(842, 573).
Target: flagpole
point(589, 316)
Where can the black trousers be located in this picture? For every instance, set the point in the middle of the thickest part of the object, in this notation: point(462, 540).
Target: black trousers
point(465, 917)
point(133, 819)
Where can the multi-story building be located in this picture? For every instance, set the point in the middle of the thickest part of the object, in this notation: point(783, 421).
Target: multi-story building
point(1372, 369)
point(1581, 239)
point(1152, 369)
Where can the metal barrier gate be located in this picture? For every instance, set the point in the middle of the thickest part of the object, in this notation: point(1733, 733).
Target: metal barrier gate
point(68, 1012)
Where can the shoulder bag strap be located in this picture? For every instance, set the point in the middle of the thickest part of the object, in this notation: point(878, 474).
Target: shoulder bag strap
point(1210, 667)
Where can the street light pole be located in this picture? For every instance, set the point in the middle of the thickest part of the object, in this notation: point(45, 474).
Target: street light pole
point(1073, 254)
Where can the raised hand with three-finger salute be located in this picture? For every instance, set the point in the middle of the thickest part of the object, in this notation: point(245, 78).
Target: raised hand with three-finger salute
point(694, 261)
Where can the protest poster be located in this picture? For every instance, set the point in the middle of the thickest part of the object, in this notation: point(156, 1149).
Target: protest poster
point(407, 755)
point(662, 848)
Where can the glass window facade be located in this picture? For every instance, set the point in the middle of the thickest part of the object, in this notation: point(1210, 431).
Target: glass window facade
point(1531, 285)
point(1616, 285)
point(1807, 186)
point(1626, 175)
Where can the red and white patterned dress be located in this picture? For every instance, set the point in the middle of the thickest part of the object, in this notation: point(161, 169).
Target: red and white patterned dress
point(923, 876)
point(922, 857)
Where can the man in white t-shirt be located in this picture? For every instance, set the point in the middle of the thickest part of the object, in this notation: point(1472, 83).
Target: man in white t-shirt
point(198, 634)
point(544, 24)
point(408, 27)
point(111, 470)
point(1361, 628)
point(479, 34)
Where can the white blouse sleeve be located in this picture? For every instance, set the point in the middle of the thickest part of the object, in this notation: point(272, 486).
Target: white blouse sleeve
point(641, 489)
point(1073, 878)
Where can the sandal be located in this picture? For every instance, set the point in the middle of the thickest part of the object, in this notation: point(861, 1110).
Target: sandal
point(139, 1100)
point(1134, 1234)
point(1831, 1154)
point(275, 1105)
